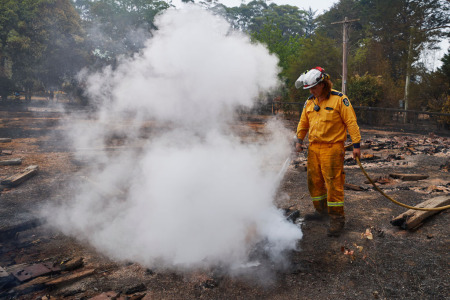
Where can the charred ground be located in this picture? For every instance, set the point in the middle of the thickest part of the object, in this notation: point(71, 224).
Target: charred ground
point(393, 264)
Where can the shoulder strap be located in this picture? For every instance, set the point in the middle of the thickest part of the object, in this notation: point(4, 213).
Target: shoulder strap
point(337, 93)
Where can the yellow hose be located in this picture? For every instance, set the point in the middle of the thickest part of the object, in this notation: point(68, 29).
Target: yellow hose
point(395, 201)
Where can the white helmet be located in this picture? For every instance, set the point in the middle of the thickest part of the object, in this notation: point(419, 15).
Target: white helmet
point(310, 78)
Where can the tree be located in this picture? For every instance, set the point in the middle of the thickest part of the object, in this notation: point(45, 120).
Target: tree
point(64, 38)
point(242, 17)
point(431, 90)
point(445, 68)
point(365, 90)
point(317, 51)
point(344, 8)
point(32, 34)
point(389, 37)
point(284, 47)
point(117, 27)
point(289, 19)
point(253, 17)
point(310, 22)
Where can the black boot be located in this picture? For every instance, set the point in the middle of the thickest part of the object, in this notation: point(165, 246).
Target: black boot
point(316, 216)
point(336, 225)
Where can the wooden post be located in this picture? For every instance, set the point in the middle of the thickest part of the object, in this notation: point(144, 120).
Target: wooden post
point(345, 24)
point(344, 56)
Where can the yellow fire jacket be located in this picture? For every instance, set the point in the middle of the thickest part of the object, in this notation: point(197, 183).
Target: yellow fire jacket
point(331, 122)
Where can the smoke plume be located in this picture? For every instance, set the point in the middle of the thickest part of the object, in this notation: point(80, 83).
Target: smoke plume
point(188, 192)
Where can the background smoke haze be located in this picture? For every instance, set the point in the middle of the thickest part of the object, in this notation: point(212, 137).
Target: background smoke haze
point(193, 195)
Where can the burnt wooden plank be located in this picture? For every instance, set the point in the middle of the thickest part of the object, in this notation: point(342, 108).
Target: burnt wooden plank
point(20, 177)
point(408, 177)
point(353, 187)
point(72, 264)
point(69, 278)
point(11, 162)
point(28, 287)
point(412, 219)
point(8, 232)
point(6, 152)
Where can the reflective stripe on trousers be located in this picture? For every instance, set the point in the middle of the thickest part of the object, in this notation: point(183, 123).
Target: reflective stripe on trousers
point(326, 176)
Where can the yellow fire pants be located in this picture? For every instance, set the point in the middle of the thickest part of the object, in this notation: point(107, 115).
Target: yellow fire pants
point(326, 177)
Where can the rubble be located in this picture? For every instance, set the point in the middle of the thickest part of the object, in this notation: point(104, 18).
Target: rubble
point(445, 167)
point(6, 278)
point(85, 274)
point(8, 232)
point(25, 273)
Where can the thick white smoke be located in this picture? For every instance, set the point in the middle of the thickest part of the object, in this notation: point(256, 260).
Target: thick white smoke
point(192, 194)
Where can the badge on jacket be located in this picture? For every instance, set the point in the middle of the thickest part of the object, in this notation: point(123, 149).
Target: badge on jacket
point(346, 102)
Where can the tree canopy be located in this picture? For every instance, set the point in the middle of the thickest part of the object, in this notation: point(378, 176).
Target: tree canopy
point(45, 43)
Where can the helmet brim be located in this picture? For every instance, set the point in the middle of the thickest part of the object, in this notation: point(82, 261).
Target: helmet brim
point(311, 85)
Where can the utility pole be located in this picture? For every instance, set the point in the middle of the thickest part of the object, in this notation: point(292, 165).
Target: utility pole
point(345, 25)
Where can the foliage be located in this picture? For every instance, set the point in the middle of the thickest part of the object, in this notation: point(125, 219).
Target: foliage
point(44, 43)
point(344, 8)
point(445, 68)
point(310, 22)
point(281, 28)
point(6, 87)
point(317, 51)
point(64, 39)
point(429, 90)
point(117, 28)
point(254, 17)
point(277, 43)
point(41, 42)
point(389, 36)
point(242, 17)
point(365, 90)
point(446, 110)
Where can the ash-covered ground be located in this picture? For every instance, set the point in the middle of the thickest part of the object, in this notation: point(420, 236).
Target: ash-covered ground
point(371, 260)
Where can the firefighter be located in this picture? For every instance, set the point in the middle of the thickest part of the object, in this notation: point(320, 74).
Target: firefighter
point(326, 117)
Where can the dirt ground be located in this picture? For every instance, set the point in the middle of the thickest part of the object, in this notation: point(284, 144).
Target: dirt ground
point(372, 259)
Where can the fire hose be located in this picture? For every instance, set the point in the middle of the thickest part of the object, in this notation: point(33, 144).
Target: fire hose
point(389, 198)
